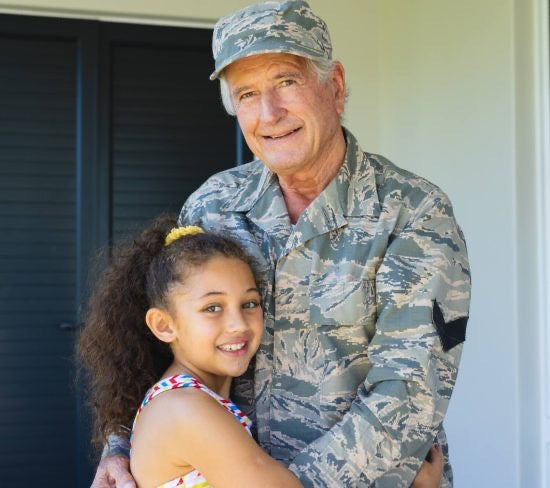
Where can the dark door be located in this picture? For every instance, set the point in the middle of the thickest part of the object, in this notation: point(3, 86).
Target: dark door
point(102, 127)
point(37, 259)
point(168, 130)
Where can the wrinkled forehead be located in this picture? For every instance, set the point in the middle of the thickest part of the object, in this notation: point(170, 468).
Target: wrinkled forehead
point(270, 65)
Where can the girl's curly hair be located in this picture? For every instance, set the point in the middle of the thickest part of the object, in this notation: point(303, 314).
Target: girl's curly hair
point(120, 355)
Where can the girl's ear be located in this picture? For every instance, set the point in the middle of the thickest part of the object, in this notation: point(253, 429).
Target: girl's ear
point(161, 324)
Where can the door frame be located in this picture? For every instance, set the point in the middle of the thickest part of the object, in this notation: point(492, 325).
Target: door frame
point(532, 63)
point(106, 16)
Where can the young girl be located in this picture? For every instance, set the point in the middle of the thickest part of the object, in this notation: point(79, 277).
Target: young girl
point(178, 309)
point(181, 305)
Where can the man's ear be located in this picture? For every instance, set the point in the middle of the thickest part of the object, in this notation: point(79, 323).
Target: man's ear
point(338, 78)
point(161, 324)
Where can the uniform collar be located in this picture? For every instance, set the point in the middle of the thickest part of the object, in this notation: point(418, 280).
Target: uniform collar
point(352, 193)
point(248, 193)
point(356, 182)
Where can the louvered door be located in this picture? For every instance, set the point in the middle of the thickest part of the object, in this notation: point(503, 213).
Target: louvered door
point(38, 255)
point(102, 127)
point(169, 131)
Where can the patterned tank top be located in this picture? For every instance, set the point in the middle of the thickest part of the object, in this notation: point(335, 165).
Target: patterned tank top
point(192, 479)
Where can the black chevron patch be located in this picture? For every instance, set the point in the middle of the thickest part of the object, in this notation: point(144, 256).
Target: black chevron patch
point(450, 333)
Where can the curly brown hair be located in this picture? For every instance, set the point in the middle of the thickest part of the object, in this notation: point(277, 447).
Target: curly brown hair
point(122, 359)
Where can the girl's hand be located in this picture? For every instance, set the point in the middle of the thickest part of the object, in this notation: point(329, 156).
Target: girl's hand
point(431, 470)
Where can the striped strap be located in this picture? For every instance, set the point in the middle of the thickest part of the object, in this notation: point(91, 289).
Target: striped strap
point(186, 381)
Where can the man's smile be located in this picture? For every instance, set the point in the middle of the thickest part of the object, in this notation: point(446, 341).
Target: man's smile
point(281, 135)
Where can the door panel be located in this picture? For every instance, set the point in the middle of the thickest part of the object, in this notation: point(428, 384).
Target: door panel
point(37, 258)
point(169, 131)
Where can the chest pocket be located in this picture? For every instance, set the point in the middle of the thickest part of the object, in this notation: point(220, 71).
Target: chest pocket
point(343, 312)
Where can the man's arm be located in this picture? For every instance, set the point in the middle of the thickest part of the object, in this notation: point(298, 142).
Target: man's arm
point(423, 292)
point(114, 468)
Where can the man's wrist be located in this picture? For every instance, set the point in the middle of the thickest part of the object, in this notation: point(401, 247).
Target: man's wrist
point(116, 446)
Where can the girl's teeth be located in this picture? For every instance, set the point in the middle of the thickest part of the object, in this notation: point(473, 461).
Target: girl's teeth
point(232, 347)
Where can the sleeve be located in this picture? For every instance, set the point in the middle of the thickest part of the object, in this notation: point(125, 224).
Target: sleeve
point(117, 445)
point(195, 210)
point(184, 218)
point(422, 299)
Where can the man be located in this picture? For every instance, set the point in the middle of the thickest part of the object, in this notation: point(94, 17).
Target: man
point(362, 267)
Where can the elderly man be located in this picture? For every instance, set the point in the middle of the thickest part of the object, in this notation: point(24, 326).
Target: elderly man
point(361, 264)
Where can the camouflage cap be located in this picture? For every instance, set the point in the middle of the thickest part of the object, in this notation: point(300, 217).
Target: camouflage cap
point(270, 27)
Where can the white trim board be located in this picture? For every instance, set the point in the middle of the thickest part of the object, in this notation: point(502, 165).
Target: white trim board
point(110, 17)
point(543, 202)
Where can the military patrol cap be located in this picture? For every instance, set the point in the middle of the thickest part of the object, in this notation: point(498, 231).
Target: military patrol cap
point(270, 27)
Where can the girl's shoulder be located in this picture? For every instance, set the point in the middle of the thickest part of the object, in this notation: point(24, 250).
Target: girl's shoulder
point(169, 426)
point(181, 406)
point(199, 431)
point(181, 403)
point(171, 383)
point(175, 399)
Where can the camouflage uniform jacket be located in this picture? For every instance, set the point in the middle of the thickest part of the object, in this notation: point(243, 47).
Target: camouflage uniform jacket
point(352, 379)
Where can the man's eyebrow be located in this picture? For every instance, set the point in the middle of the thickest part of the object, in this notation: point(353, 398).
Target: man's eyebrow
point(288, 74)
point(279, 75)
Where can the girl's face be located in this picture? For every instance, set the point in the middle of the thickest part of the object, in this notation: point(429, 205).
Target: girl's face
point(217, 320)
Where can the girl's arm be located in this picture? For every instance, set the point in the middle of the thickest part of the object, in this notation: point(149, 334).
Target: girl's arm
point(186, 429)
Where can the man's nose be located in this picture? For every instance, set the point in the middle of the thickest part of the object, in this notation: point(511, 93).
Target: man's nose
point(272, 109)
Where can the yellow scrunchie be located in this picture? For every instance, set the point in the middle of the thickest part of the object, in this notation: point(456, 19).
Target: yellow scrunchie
point(178, 232)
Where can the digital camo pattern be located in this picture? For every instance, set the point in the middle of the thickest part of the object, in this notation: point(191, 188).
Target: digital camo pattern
point(351, 382)
point(282, 27)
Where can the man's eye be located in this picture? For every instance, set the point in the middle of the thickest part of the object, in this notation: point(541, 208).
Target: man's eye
point(251, 304)
point(213, 308)
point(287, 83)
point(246, 95)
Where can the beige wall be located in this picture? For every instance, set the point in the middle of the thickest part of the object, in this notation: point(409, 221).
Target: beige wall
point(445, 88)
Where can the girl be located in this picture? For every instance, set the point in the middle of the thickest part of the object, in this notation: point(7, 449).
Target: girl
point(182, 306)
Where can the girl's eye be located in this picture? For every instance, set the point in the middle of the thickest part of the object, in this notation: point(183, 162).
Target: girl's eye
point(213, 308)
point(251, 304)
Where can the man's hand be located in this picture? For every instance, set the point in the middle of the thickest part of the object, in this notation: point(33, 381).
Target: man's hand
point(113, 472)
point(431, 470)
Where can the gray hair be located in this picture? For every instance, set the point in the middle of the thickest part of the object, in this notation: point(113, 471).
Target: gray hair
point(321, 67)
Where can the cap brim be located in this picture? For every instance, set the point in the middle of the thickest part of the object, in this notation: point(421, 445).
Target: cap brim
point(254, 52)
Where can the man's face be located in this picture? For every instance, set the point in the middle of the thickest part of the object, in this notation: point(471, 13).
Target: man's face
point(290, 119)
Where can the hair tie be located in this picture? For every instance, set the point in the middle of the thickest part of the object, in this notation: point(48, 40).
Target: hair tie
point(178, 232)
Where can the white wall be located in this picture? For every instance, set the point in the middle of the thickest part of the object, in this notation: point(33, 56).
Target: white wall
point(451, 90)
point(457, 104)
point(446, 111)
